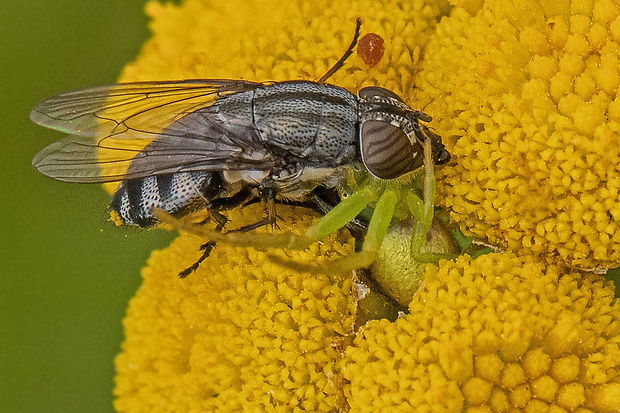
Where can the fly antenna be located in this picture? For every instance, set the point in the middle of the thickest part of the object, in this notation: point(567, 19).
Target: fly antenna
point(434, 98)
point(345, 56)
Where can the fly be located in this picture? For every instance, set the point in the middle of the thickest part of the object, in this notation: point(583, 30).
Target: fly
point(214, 144)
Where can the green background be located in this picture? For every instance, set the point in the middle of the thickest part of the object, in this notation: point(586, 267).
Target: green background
point(66, 273)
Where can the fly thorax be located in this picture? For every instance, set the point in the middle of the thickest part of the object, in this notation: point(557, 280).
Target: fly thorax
point(304, 180)
point(387, 134)
point(308, 120)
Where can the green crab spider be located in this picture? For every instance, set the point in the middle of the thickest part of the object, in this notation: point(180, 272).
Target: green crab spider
point(393, 199)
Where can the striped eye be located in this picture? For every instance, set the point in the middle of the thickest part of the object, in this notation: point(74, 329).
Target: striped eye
point(387, 152)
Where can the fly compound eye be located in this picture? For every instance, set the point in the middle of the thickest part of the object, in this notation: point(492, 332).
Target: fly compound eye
point(387, 152)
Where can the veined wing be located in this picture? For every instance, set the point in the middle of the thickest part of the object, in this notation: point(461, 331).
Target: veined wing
point(141, 107)
point(134, 130)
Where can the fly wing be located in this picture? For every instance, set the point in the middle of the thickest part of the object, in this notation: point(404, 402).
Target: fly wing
point(141, 107)
point(140, 129)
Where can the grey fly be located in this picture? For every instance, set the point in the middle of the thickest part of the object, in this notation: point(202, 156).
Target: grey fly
point(214, 144)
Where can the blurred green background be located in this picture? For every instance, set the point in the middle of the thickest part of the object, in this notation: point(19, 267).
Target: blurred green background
point(66, 273)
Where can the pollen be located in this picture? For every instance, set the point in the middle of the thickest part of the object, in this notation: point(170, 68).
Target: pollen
point(116, 218)
point(525, 97)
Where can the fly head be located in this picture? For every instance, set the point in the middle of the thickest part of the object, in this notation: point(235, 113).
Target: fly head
point(390, 135)
point(387, 133)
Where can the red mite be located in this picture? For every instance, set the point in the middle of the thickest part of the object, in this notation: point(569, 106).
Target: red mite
point(370, 48)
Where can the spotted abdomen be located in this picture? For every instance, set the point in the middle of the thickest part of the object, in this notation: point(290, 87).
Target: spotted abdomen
point(177, 194)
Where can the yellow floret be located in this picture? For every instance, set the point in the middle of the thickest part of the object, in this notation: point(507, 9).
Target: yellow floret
point(491, 334)
point(524, 94)
point(239, 333)
point(273, 41)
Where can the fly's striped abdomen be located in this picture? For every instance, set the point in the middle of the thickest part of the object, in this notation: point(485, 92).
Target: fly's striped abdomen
point(177, 194)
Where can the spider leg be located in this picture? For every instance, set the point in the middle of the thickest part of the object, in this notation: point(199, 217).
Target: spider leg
point(335, 219)
point(341, 214)
point(423, 210)
point(338, 217)
point(380, 221)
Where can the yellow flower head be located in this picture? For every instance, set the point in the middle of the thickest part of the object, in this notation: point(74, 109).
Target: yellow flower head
point(524, 94)
point(489, 335)
point(239, 333)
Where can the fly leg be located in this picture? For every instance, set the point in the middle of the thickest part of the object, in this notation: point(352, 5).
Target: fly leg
point(219, 204)
point(335, 219)
point(207, 247)
point(269, 198)
point(216, 205)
